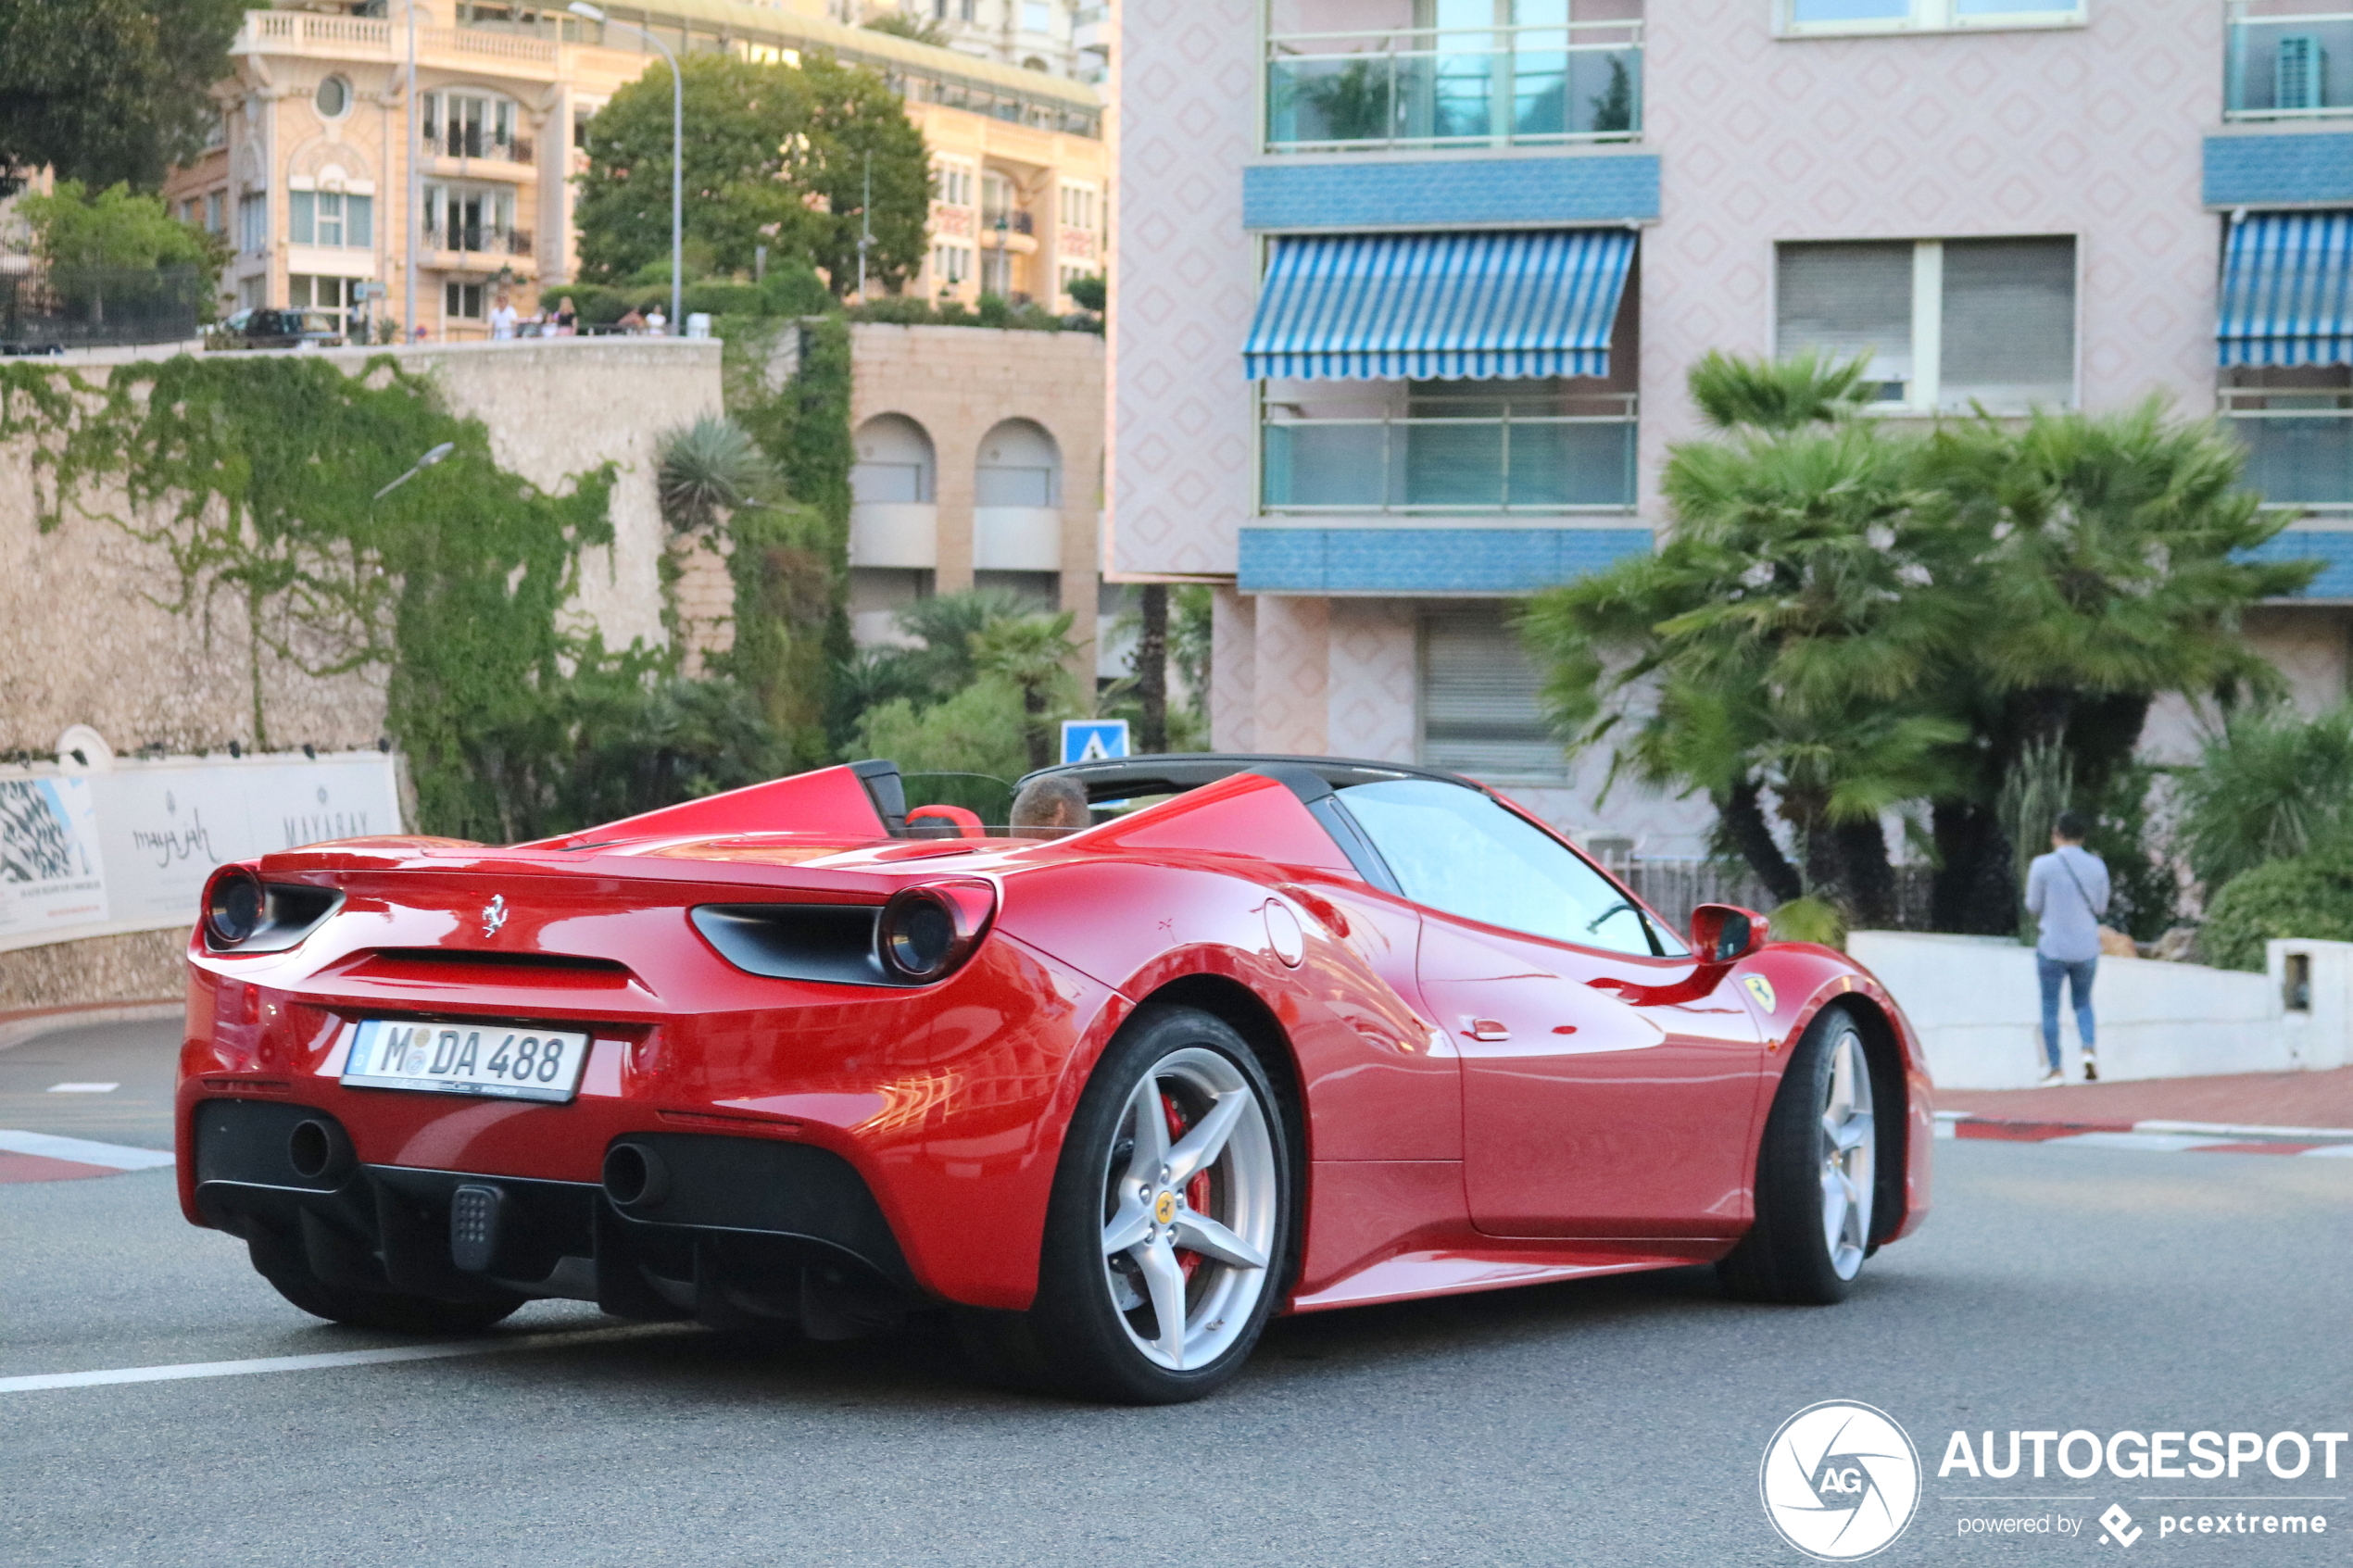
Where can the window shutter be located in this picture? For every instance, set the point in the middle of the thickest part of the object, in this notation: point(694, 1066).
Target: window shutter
point(1840, 300)
point(1481, 709)
point(2009, 323)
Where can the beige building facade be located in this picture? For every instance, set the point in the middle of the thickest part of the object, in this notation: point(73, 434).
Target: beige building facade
point(310, 176)
point(979, 462)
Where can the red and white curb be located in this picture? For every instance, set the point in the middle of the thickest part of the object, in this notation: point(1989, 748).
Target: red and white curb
point(2161, 1137)
point(45, 1156)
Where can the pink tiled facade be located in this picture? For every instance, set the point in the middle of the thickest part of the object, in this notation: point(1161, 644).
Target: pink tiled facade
point(2091, 131)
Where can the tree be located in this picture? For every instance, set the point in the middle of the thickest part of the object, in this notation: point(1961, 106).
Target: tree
point(775, 156)
point(867, 164)
point(107, 90)
point(1847, 621)
point(706, 470)
point(1152, 668)
point(1032, 654)
point(1783, 644)
point(898, 24)
point(77, 229)
point(2108, 564)
point(1089, 292)
point(742, 121)
point(2271, 785)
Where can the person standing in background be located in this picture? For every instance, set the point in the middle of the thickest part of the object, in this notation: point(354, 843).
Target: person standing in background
point(503, 319)
point(2066, 893)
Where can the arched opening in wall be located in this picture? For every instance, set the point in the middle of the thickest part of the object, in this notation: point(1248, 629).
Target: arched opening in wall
point(893, 526)
point(1017, 519)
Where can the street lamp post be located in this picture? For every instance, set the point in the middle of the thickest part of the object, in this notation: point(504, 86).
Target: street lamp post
point(431, 457)
point(677, 157)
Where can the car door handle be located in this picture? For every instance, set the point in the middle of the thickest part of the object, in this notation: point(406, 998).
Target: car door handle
point(1487, 1029)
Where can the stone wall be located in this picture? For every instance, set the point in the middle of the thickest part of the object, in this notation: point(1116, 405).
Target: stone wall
point(144, 966)
point(87, 635)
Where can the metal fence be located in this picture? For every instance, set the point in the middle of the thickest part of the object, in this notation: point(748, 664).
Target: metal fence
point(1677, 887)
point(98, 307)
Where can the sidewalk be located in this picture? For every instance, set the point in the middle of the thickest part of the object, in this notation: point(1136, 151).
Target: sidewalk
point(2301, 1101)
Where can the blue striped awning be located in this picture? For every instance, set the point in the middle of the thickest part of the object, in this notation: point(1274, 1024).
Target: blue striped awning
point(1439, 307)
point(2284, 299)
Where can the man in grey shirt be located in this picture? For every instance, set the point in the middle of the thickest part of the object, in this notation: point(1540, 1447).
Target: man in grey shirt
point(2066, 893)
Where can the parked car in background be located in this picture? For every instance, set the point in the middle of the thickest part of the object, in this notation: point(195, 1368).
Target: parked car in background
point(279, 329)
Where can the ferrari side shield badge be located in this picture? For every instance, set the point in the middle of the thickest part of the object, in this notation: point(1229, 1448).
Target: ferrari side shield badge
point(1762, 989)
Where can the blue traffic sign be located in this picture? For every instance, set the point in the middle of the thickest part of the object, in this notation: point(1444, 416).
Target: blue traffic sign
point(1094, 740)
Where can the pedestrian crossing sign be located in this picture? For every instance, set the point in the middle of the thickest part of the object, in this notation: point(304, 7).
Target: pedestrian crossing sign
point(1094, 740)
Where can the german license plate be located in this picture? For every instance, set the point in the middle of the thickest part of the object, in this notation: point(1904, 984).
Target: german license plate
point(497, 1059)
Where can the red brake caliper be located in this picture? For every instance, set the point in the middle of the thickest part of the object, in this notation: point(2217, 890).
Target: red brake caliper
point(1196, 1191)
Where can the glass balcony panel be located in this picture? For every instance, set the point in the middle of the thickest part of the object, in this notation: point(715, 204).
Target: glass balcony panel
point(1574, 464)
point(2290, 59)
point(2294, 457)
point(1337, 464)
point(1456, 453)
point(1433, 85)
point(1453, 463)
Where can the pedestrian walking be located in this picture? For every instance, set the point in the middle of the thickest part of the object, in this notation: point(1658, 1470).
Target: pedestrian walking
point(2066, 893)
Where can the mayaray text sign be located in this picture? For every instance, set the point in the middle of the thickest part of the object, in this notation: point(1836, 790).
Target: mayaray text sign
point(125, 845)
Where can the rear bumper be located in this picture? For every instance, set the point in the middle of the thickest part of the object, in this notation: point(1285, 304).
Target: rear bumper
point(740, 1230)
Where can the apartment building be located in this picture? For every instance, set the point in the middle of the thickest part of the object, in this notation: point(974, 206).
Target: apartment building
point(310, 175)
point(1066, 37)
point(1407, 291)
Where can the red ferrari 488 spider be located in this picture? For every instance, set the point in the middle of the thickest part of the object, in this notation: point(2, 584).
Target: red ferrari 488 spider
point(1271, 1034)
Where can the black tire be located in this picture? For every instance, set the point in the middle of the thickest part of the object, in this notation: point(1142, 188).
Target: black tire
point(1076, 1337)
point(384, 1310)
point(1788, 1256)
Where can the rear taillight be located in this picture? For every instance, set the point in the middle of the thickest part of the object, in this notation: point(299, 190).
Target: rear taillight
point(926, 931)
point(244, 914)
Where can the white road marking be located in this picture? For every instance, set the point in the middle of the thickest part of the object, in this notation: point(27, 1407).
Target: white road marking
point(332, 1359)
point(2168, 1142)
point(84, 1088)
point(116, 1156)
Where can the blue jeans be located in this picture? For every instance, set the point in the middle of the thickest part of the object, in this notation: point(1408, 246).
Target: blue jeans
point(2079, 979)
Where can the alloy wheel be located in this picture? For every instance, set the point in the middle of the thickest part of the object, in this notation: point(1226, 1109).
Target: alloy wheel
point(1191, 1194)
point(1848, 1144)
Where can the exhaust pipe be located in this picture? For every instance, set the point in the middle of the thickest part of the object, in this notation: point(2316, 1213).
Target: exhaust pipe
point(319, 1152)
point(636, 1176)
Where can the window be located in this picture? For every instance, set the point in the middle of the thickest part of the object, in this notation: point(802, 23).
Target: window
point(461, 301)
point(950, 265)
point(188, 211)
point(468, 218)
point(215, 218)
point(337, 298)
point(1080, 207)
point(1949, 323)
point(1452, 72)
point(330, 217)
point(1037, 17)
point(253, 221)
point(468, 125)
point(581, 121)
point(1923, 15)
point(1481, 710)
point(1456, 850)
point(952, 185)
point(333, 98)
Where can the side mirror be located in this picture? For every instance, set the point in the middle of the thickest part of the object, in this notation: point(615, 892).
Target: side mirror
point(1723, 932)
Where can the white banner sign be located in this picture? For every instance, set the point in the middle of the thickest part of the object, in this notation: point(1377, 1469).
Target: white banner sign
point(127, 848)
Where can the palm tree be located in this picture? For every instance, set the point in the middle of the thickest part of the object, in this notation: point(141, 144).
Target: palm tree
point(706, 469)
point(1032, 654)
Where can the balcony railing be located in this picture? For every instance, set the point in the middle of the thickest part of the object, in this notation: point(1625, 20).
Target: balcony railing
point(2289, 59)
point(1416, 463)
point(477, 141)
point(1014, 219)
point(478, 239)
point(1427, 88)
point(2299, 445)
